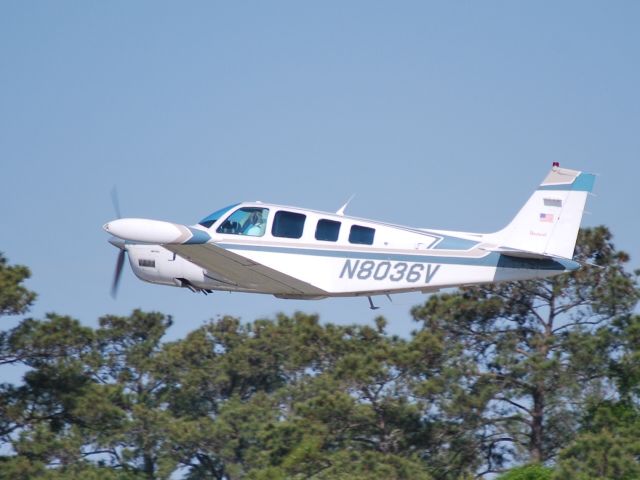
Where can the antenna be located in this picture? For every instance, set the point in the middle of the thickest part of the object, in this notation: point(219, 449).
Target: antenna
point(344, 207)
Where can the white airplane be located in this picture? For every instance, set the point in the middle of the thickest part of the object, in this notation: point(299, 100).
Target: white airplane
point(297, 253)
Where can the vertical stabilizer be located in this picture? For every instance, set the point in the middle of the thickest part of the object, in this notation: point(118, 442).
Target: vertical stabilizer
point(548, 223)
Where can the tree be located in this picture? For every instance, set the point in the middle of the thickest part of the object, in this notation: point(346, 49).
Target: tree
point(131, 425)
point(288, 398)
point(15, 298)
point(535, 350)
point(528, 472)
point(88, 393)
point(52, 384)
point(607, 445)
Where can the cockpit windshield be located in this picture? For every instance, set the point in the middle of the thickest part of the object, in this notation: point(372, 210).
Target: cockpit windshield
point(215, 216)
point(250, 221)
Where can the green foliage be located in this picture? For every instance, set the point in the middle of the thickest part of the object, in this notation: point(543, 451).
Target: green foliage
point(230, 400)
point(14, 297)
point(22, 468)
point(58, 339)
point(344, 465)
point(604, 455)
point(607, 446)
point(528, 472)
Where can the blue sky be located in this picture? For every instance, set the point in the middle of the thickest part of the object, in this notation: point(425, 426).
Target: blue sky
point(443, 115)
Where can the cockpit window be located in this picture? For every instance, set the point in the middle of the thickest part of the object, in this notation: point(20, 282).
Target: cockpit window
point(250, 221)
point(213, 218)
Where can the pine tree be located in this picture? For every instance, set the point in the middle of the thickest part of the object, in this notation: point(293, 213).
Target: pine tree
point(535, 351)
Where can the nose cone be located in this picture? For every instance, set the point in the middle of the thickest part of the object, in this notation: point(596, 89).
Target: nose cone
point(124, 227)
point(120, 227)
point(144, 230)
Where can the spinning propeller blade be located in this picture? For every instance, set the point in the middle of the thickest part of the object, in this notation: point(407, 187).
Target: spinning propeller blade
point(115, 202)
point(118, 273)
point(117, 243)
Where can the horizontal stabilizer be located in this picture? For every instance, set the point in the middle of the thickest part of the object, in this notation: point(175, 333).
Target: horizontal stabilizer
point(512, 252)
point(568, 263)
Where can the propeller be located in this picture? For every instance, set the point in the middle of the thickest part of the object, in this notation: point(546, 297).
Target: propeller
point(118, 272)
point(116, 242)
point(115, 202)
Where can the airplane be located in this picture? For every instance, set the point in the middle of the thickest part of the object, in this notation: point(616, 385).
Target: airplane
point(297, 253)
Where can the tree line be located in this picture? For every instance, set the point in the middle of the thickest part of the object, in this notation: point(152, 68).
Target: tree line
point(526, 380)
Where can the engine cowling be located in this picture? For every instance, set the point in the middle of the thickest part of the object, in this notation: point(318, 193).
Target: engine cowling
point(155, 264)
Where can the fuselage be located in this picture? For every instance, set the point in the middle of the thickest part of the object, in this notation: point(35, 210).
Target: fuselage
point(327, 254)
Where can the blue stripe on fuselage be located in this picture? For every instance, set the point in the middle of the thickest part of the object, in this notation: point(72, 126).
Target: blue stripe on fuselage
point(491, 259)
point(197, 237)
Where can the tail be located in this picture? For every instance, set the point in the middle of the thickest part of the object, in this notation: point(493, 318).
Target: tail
point(548, 223)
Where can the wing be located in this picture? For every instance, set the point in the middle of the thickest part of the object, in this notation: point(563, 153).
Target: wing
point(244, 273)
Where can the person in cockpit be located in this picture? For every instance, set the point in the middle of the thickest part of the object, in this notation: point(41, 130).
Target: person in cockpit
point(255, 224)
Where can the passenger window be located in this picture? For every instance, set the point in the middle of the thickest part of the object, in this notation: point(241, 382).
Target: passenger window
point(361, 235)
point(288, 224)
point(250, 221)
point(327, 230)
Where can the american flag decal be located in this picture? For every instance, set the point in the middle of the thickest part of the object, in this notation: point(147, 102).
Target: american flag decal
point(546, 217)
